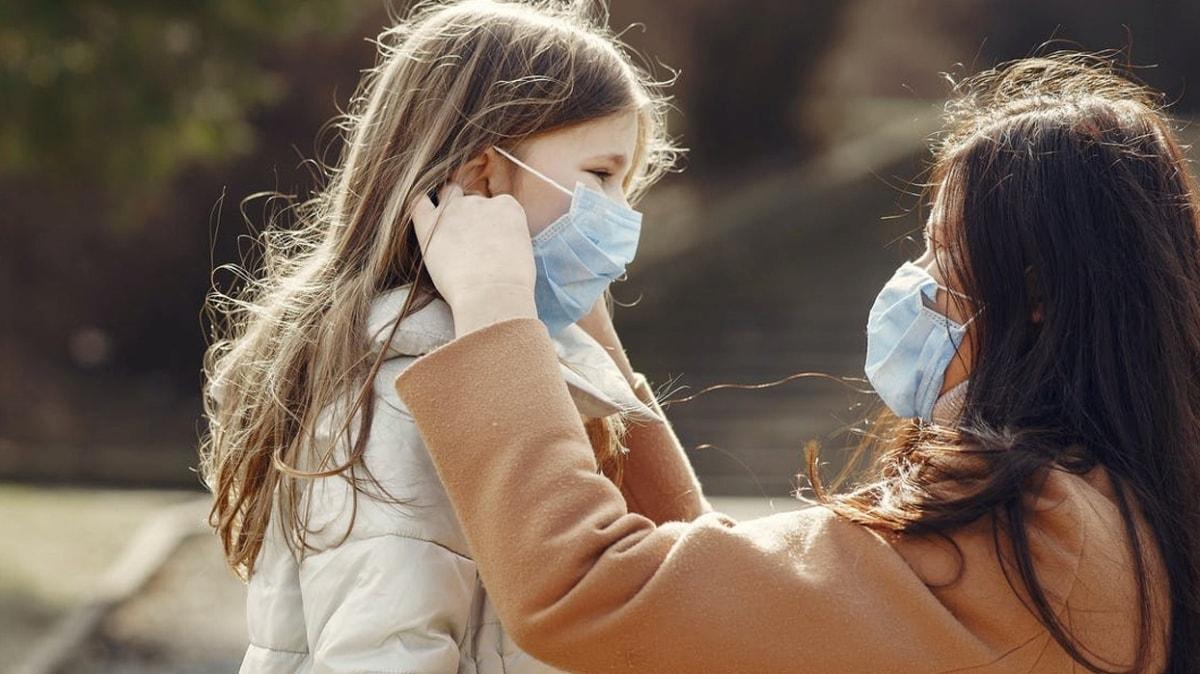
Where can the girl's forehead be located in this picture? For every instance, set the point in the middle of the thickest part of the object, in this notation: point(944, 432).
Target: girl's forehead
point(616, 133)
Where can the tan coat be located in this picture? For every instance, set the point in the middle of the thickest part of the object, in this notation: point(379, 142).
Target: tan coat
point(586, 585)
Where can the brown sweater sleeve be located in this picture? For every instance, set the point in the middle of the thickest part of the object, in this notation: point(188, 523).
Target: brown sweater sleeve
point(585, 585)
point(659, 481)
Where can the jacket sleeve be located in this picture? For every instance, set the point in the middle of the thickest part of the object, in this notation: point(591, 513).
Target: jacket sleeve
point(659, 481)
point(585, 585)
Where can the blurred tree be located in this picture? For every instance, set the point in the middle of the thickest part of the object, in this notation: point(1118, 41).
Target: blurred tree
point(122, 95)
point(744, 71)
point(131, 132)
point(129, 135)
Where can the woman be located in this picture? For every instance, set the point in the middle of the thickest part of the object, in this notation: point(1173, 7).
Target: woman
point(325, 496)
point(1033, 509)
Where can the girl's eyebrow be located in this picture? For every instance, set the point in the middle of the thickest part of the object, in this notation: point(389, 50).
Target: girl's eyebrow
point(616, 158)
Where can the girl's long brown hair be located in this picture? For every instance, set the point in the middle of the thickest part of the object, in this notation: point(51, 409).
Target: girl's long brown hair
point(290, 369)
point(1069, 215)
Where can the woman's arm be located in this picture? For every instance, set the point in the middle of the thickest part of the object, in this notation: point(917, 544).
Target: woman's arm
point(658, 479)
point(585, 585)
point(582, 583)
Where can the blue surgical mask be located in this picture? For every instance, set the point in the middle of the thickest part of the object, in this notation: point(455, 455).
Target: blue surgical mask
point(909, 343)
point(581, 253)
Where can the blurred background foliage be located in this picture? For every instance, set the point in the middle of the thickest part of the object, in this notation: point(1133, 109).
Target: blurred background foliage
point(125, 95)
point(132, 134)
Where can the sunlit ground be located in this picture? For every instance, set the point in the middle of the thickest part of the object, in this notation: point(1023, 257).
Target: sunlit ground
point(189, 617)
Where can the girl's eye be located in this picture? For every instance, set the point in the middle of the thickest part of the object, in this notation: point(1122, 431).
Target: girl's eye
point(601, 174)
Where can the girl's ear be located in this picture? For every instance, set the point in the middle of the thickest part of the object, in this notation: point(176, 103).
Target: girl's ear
point(486, 175)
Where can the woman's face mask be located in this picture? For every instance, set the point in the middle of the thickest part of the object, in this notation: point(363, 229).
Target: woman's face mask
point(578, 255)
point(909, 343)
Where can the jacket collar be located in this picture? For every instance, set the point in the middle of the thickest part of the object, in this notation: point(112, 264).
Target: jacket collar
point(593, 379)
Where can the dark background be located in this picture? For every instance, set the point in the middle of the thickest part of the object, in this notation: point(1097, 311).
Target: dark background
point(132, 134)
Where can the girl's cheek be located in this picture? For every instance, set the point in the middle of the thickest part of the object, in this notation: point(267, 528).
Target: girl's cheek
point(531, 201)
point(542, 210)
point(537, 220)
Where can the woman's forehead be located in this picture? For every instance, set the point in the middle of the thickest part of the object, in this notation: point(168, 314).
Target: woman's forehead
point(935, 224)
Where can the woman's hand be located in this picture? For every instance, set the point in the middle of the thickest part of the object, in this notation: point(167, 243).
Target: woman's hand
point(478, 253)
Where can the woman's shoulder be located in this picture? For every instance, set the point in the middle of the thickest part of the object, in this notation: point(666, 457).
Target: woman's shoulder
point(1066, 516)
point(1076, 539)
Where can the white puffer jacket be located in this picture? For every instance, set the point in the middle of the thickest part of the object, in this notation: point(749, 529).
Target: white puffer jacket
point(400, 592)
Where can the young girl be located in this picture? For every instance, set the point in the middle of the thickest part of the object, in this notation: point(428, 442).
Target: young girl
point(1035, 509)
point(326, 499)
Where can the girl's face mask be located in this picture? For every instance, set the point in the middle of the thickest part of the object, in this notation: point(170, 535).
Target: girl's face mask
point(910, 344)
point(581, 253)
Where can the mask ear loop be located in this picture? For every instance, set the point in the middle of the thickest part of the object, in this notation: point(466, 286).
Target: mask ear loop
point(968, 298)
point(535, 172)
point(929, 304)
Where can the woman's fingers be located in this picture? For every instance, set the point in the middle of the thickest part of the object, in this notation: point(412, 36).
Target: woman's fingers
point(425, 216)
point(473, 245)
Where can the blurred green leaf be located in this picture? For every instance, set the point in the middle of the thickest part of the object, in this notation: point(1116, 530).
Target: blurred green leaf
point(123, 95)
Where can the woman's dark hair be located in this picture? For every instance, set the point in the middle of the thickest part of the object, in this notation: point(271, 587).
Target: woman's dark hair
point(1067, 212)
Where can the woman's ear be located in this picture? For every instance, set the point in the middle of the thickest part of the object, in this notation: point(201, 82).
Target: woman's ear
point(487, 175)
